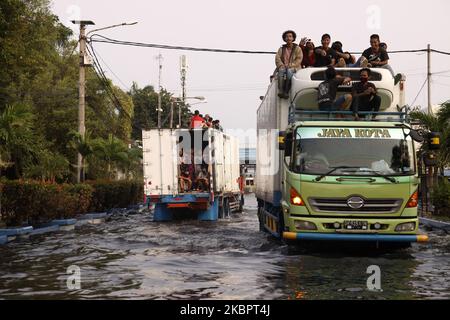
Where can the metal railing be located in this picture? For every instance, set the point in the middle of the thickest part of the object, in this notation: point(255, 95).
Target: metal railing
point(308, 115)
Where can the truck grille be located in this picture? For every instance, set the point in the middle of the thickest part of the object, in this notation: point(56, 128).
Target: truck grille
point(337, 205)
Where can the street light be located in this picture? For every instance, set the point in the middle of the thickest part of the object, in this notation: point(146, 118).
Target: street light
point(175, 100)
point(113, 26)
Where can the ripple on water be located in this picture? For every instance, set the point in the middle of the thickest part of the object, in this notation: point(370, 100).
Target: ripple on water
point(131, 257)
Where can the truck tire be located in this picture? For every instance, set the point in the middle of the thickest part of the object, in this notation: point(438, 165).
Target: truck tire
point(260, 219)
point(226, 207)
point(220, 214)
point(241, 204)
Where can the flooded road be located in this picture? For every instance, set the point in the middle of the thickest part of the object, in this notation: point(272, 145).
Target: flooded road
point(131, 257)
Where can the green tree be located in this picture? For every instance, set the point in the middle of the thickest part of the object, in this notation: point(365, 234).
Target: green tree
point(440, 122)
point(17, 141)
point(145, 102)
point(112, 152)
point(50, 167)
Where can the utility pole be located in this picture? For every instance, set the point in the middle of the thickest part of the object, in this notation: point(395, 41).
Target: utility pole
point(159, 58)
point(172, 102)
point(183, 71)
point(82, 93)
point(430, 109)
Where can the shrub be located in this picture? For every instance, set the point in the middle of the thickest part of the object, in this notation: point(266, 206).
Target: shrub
point(440, 196)
point(34, 202)
point(115, 194)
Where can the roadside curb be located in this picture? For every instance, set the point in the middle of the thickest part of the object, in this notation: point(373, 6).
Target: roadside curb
point(8, 235)
point(435, 223)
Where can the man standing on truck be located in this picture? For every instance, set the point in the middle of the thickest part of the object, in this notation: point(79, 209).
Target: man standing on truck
point(288, 61)
point(364, 94)
point(328, 90)
point(197, 121)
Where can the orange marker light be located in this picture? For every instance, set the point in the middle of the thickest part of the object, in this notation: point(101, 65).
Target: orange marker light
point(296, 199)
point(413, 201)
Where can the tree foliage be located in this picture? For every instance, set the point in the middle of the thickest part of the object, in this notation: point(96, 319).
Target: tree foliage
point(440, 122)
point(39, 104)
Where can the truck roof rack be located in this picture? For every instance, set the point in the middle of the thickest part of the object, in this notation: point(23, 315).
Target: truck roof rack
point(310, 115)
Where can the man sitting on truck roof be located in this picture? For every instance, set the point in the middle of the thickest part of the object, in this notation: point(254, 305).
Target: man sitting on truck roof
point(288, 61)
point(346, 56)
point(325, 55)
point(364, 95)
point(376, 56)
point(328, 90)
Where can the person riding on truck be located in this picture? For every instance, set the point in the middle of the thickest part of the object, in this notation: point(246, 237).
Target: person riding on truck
point(364, 94)
point(328, 89)
point(197, 121)
point(377, 57)
point(288, 61)
point(326, 56)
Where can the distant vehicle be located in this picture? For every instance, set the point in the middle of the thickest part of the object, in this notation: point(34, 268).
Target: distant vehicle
point(329, 179)
point(214, 153)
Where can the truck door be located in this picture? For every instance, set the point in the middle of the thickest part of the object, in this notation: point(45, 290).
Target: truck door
point(160, 162)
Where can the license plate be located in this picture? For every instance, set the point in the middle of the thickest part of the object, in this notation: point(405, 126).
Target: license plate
point(356, 225)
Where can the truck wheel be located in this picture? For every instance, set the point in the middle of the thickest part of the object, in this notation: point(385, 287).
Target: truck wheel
point(261, 220)
point(241, 204)
point(280, 224)
point(221, 216)
point(226, 207)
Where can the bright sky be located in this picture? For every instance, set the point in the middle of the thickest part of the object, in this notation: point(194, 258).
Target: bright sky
point(233, 83)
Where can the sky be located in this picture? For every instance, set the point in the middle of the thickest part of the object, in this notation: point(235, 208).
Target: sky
point(233, 83)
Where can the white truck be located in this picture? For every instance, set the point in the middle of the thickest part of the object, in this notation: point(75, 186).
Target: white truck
point(170, 179)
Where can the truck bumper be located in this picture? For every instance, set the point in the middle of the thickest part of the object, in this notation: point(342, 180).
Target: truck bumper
point(353, 237)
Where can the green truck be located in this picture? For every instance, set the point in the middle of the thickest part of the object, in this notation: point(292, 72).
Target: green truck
point(327, 178)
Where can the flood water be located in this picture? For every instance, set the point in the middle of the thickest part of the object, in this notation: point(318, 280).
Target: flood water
point(131, 257)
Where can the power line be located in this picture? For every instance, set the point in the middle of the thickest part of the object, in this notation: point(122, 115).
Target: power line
point(421, 88)
point(103, 80)
point(440, 72)
point(440, 52)
point(115, 75)
point(102, 39)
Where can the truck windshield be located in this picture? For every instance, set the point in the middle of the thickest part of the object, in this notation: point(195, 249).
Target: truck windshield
point(352, 152)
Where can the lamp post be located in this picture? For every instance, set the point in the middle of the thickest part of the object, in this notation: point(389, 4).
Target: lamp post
point(178, 100)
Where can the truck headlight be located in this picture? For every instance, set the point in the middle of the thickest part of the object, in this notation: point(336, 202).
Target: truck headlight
point(408, 226)
point(305, 225)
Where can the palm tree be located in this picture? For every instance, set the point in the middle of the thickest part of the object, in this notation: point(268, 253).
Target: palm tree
point(83, 145)
point(18, 146)
point(112, 151)
point(51, 166)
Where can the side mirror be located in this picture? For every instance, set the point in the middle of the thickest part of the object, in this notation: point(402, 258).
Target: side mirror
point(416, 136)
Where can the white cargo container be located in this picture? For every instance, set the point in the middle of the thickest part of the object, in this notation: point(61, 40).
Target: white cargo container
point(219, 152)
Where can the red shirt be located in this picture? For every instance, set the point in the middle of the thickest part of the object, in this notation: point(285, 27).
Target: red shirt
point(197, 122)
point(308, 60)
